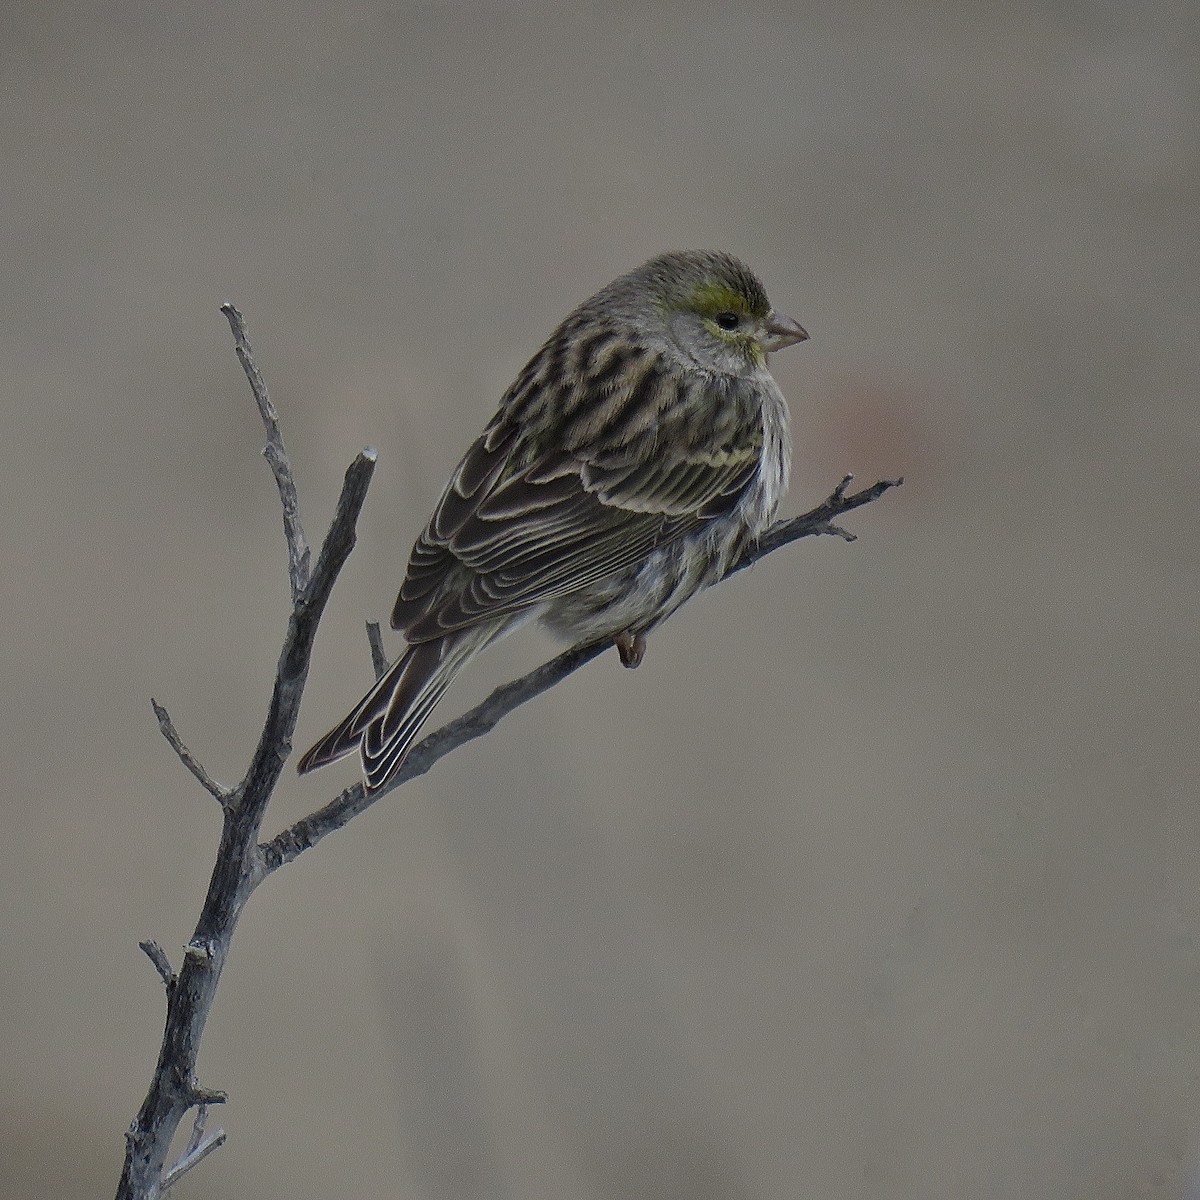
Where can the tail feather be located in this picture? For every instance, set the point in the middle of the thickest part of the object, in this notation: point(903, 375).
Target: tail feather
point(383, 752)
point(344, 737)
point(384, 723)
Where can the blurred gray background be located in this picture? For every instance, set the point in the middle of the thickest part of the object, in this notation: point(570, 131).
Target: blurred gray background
point(879, 879)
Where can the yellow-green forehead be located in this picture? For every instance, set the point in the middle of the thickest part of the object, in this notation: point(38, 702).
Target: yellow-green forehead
point(713, 296)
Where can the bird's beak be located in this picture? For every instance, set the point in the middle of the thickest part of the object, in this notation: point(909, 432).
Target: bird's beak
point(782, 332)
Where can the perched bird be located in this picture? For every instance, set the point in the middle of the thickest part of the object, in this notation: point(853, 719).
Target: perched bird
point(636, 455)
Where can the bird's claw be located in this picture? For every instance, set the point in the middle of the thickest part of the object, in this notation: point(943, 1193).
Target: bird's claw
point(631, 647)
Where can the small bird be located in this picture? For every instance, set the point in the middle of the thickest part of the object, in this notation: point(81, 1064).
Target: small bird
point(638, 453)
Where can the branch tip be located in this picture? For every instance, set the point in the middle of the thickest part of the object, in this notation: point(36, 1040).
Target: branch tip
point(275, 453)
point(158, 956)
point(816, 521)
point(219, 792)
point(199, 1147)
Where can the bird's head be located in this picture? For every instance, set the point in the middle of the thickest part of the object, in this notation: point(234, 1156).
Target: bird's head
point(716, 311)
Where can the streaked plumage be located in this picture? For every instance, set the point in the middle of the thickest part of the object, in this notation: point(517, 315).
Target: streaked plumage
point(626, 468)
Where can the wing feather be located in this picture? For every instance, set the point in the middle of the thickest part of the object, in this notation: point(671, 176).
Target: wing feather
point(516, 527)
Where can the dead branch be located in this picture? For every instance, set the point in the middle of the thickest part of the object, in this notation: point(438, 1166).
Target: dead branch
point(484, 717)
point(174, 1089)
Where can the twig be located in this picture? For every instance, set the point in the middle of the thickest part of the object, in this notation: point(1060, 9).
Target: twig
point(186, 757)
point(275, 454)
point(305, 833)
point(483, 718)
point(162, 964)
point(379, 659)
point(816, 521)
point(199, 1147)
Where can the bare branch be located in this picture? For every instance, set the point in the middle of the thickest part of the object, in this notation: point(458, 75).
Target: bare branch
point(483, 718)
point(197, 1129)
point(379, 659)
point(199, 1147)
point(305, 833)
point(155, 953)
point(816, 521)
point(189, 760)
point(275, 742)
point(173, 1088)
point(275, 454)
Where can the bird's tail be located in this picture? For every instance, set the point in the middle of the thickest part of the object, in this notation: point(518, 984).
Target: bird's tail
point(385, 721)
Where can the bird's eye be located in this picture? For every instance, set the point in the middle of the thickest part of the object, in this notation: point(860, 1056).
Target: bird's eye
point(728, 321)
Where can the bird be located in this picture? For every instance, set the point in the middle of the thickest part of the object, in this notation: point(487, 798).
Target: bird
point(637, 455)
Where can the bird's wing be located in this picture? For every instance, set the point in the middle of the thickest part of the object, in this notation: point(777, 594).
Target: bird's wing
point(514, 530)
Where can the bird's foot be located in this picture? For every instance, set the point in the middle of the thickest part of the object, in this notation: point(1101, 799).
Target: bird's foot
point(631, 647)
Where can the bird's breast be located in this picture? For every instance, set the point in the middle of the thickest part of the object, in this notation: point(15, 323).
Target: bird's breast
point(765, 495)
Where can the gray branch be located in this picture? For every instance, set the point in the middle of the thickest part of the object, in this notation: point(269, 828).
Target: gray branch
point(819, 520)
point(242, 862)
point(484, 717)
point(379, 660)
point(162, 964)
point(220, 793)
point(174, 1089)
point(276, 455)
point(200, 1146)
